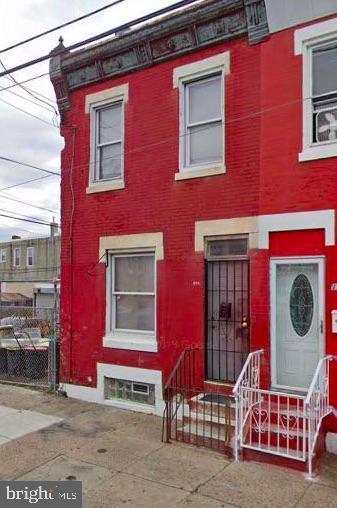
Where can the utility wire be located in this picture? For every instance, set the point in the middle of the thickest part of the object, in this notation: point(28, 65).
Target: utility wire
point(28, 100)
point(28, 113)
point(23, 215)
point(25, 220)
point(27, 90)
point(44, 74)
point(25, 182)
point(71, 22)
point(95, 38)
point(12, 198)
point(8, 159)
point(31, 90)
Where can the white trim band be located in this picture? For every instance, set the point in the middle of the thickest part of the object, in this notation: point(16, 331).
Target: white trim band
point(194, 69)
point(258, 227)
point(120, 372)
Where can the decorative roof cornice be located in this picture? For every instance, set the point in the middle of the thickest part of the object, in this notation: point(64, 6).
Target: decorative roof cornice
point(209, 23)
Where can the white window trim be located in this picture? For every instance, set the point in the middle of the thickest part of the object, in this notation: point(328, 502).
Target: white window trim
point(3, 255)
point(14, 257)
point(92, 103)
point(130, 244)
point(305, 39)
point(136, 337)
point(181, 76)
point(33, 254)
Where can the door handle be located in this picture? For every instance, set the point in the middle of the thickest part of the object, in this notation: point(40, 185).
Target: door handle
point(321, 326)
point(244, 323)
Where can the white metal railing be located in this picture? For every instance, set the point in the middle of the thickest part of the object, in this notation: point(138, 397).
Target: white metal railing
point(276, 423)
point(280, 423)
point(317, 404)
point(244, 401)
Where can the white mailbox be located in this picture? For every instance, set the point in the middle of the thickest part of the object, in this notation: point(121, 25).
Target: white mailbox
point(334, 321)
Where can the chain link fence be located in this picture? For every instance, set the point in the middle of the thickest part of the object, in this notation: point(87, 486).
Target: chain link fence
point(28, 346)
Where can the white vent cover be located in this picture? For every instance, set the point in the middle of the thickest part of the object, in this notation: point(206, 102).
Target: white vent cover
point(326, 125)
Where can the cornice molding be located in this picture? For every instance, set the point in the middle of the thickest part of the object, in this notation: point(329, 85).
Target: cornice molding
point(205, 25)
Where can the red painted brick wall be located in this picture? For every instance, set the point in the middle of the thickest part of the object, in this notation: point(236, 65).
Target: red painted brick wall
point(263, 139)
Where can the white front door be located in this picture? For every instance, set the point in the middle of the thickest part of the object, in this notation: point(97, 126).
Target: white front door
point(296, 320)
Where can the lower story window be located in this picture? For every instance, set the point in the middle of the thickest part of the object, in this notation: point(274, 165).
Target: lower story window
point(133, 293)
point(142, 393)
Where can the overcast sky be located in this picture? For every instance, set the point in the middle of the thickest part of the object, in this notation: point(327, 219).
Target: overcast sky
point(23, 137)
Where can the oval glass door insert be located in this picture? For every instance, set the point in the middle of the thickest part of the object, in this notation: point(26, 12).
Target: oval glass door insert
point(301, 305)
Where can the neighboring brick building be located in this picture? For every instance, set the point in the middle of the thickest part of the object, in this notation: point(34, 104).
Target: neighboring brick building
point(187, 138)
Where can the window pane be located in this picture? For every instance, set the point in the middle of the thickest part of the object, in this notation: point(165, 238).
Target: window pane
point(206, 144)
point(205, 100)
point(109, 121)
point(228, 247)
point(324, 70)
point(135, 312)
point(110, 165)
point(134, 273)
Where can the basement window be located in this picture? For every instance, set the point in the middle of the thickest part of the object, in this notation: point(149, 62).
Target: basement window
point(127, 390)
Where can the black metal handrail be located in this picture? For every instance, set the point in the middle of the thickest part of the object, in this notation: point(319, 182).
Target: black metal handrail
point(191, 414)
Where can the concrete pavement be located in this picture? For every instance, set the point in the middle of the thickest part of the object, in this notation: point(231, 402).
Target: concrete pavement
point(122, 462)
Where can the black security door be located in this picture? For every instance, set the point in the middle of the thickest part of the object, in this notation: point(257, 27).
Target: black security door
point(227, 312)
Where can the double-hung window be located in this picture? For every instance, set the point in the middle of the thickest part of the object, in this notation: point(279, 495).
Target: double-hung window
point(30, 256)
point(317, 44)
point(3, 255)
point(203, 122)
point(17, 256)
point(133, 293)
point(108, 142)
point(324, 93)
point(201, 88)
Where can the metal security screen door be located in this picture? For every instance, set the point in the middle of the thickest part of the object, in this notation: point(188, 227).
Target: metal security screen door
point(227, 343)
point(296, 321)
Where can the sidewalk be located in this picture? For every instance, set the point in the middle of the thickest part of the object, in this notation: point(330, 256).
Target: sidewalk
point(122, 462)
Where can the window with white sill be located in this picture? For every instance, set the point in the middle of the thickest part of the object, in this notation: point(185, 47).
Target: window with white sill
point(133, 295)
point(108, 140)
point(317, 43)
point(202, 140)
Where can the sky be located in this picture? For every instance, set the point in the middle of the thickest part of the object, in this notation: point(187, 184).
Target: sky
point(26, 138)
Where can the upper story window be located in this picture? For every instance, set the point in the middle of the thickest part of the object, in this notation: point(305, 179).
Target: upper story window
point(203, 122)
point(107, 118)
point(318, 46)
point(324, 93)
point(202, 116)
point(30, 256)
point(3, 255)
point(17, 256)
point(108, 141)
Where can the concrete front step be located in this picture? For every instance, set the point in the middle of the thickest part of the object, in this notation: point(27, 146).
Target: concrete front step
point(213, 404)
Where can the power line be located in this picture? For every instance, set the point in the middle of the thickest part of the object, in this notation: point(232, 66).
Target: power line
point(12, 198)
point(23, 215)
point(25, 182)
point(44, 74)
point(50, 106)
point(102, 35)
point(34, 91)
point(28, 100)
point(28, 113)
point(8, 159)
point(25, 220)
point(42, 34)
